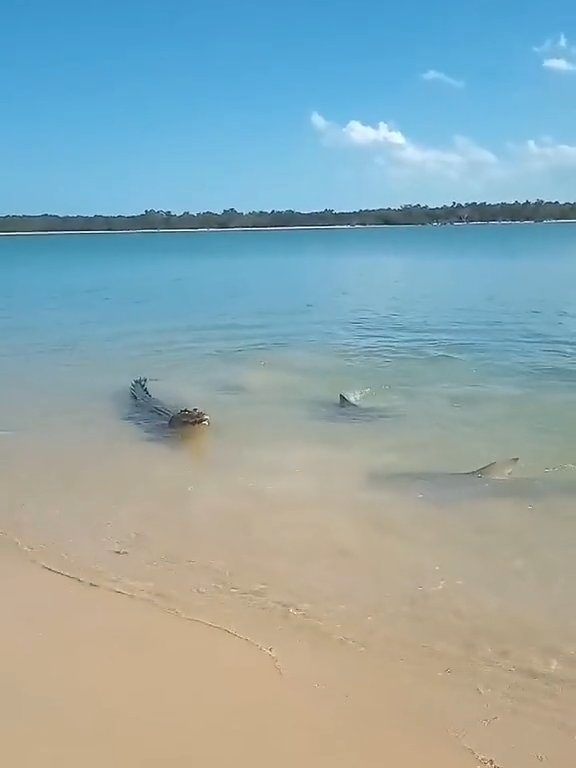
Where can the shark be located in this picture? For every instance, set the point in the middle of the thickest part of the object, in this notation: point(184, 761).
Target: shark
point(496, 470)
point(493, 479)
point(350, 406)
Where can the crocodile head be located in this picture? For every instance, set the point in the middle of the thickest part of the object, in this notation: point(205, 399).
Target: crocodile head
point(189, 418)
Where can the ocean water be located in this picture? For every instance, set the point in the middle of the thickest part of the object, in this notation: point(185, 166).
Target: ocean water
point(456, 342)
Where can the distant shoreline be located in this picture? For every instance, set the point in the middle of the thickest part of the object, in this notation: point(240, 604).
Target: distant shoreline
point(278, 228)
point(152, 220)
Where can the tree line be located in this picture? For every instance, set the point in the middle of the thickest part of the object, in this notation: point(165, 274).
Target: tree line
point(456, 213)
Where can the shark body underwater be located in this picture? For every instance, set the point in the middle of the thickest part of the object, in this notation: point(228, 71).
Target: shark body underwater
point(496, 470)
point(493, 481)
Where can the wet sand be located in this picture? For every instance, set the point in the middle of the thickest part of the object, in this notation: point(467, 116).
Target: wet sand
point(92, 678)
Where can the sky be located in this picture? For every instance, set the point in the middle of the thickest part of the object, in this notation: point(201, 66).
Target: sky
point(115, 107)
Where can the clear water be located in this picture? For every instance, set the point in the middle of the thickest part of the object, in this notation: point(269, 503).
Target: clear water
point(459, 344)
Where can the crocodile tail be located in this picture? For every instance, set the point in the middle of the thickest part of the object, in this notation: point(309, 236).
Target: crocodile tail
point(139, 389)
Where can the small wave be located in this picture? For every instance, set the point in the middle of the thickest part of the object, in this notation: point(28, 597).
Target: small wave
point(561, 468)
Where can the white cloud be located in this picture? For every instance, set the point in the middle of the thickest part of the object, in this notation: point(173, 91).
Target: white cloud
point(545, 153)
point(557, 54)
point(461, 157)
point(399, 152)
point(358, 133)
point(319, 122)
point(441, 77)
point(553, 44)
point(560, 65)
point(461, 161)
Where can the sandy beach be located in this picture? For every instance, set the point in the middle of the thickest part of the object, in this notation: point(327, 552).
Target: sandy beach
point(92, 678)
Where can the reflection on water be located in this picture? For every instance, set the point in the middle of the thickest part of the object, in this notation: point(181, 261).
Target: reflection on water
point(346, 520)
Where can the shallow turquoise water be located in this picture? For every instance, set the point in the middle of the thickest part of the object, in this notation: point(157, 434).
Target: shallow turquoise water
point(478, 320)
point(496, 294)
point(460, 341)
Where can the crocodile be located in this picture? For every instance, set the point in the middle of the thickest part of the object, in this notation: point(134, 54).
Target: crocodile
point(176, 419)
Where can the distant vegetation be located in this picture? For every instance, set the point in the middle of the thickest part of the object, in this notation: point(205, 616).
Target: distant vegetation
point(457, 213)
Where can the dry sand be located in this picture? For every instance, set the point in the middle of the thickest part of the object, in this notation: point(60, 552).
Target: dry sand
point(91, 678)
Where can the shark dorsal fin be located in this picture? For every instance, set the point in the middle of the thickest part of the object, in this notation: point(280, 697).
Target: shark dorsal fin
point(345, 402)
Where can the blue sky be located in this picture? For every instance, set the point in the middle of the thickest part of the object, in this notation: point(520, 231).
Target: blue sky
point(119, 106)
